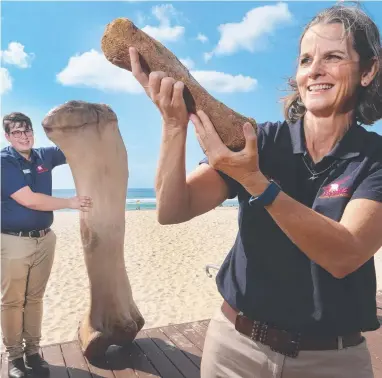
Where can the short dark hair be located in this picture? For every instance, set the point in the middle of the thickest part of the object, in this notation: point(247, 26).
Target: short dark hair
point(367, 43)
point(16, 117)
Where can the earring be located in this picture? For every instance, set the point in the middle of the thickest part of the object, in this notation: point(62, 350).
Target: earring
point(364, 83)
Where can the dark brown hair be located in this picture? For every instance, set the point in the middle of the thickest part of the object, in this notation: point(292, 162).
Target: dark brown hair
point(367, 43)
point(16, 117)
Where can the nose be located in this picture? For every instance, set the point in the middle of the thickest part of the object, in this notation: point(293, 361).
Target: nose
point(316, 69)
point(24, 137)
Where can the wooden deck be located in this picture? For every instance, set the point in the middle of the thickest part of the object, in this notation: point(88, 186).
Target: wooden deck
point(173, 351)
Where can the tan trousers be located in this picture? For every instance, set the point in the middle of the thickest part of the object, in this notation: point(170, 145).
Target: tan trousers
point(229, 354)
point(26, 264)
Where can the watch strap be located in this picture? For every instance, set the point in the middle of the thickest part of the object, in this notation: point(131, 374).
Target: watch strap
point(267, 197)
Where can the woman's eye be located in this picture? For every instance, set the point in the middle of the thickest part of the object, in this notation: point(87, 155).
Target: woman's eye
point(304, 61)
point(333, 58)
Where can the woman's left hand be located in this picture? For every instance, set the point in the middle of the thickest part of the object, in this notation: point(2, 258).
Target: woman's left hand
point(242, 166)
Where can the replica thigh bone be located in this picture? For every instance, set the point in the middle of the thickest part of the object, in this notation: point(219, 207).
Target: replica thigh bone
point(121, 34)
point(88, 135)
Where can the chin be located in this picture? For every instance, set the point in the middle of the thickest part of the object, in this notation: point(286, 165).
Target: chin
point(24, 149)
point(318, 107)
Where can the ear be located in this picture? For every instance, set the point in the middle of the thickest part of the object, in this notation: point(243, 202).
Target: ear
point(370, 72)
point(7, 137)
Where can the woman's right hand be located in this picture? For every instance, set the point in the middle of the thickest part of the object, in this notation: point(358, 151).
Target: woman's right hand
point(164, 91)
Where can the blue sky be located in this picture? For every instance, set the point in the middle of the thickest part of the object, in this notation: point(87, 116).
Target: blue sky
point(242, 52)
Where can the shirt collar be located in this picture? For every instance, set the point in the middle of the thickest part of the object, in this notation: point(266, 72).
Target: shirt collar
point(296, 134)
point(348, 147)
point(17, 156)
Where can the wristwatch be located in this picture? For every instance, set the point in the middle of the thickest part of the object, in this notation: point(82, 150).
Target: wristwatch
point(267, 197)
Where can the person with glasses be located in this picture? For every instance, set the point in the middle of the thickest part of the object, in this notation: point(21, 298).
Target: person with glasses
point(27, 241)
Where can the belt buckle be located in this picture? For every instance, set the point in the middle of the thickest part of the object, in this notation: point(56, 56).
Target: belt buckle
point(292, 347)
point(34, 234)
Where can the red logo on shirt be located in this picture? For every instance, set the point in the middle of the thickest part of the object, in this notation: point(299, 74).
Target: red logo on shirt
point(335, 189)
point(41, 169)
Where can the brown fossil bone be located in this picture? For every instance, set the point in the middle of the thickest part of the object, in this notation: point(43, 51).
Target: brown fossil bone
point(121, 33)
point(89, 136)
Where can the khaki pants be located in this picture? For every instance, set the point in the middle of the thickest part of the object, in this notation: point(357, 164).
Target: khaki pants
point(26, 264)
point(229, 354)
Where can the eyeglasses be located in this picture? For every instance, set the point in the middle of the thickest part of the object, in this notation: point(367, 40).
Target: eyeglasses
point(18, 133)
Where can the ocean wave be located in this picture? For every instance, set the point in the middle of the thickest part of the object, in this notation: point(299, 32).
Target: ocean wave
point(140, 200)
point(134, 201)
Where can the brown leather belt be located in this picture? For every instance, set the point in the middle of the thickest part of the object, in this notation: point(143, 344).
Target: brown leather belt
point(284, 342)
point(28, 234)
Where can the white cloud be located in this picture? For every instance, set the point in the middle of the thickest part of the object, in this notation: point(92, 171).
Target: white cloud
point(202, 38)
point(251, 33)
point(5, 81)
point(188, 62)
point(93, 70)
point(16, 55)
point(207, 56)
point(164, 12)
point(224, 83)
point(141, 18)
point(164, 32)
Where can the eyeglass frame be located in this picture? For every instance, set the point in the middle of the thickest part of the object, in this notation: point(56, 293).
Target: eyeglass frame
point(30, 131)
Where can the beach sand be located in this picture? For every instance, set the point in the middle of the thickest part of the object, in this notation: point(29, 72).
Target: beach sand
point(165, 265)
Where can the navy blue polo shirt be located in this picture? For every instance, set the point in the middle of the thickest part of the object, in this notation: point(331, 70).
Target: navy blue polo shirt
point(16, 173)
point(265, 274)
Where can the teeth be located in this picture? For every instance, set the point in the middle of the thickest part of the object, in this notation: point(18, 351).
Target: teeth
point(318, 87)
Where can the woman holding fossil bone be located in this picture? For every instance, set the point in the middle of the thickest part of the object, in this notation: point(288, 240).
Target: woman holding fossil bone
point(299, 284)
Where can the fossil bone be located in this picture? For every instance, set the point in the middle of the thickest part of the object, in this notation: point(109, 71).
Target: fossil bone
point(121, 33)
point(89, 136)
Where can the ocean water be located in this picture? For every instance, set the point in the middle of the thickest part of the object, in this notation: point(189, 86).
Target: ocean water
point(136, 199)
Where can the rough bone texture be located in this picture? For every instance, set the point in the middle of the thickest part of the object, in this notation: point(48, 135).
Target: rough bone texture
point(121, 33)
point(88, 135)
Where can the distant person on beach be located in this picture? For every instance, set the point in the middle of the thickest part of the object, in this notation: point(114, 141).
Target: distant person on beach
point(27, 242)
point(299, 284)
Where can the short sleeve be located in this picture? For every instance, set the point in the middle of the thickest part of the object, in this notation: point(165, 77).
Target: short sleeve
point(233, 186)
point(58, 157)
point(371, 187)
point(12, 178)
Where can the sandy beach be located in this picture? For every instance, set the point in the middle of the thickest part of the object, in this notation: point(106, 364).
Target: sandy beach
point(165, 265)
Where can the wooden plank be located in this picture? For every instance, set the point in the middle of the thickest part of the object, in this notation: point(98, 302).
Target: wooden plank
point(53, 356)
point(200, 328)
point(185, 345)
point(130, 362)
point(175, 355)
point(98, 372)
point(4, 366)
point(189, 331)
point(205, 322)
point(379, 298)
point(75, 361)
point(161, 363)
point(374, 344)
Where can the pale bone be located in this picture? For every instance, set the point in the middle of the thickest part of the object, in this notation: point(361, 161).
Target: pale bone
point(89, 136)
